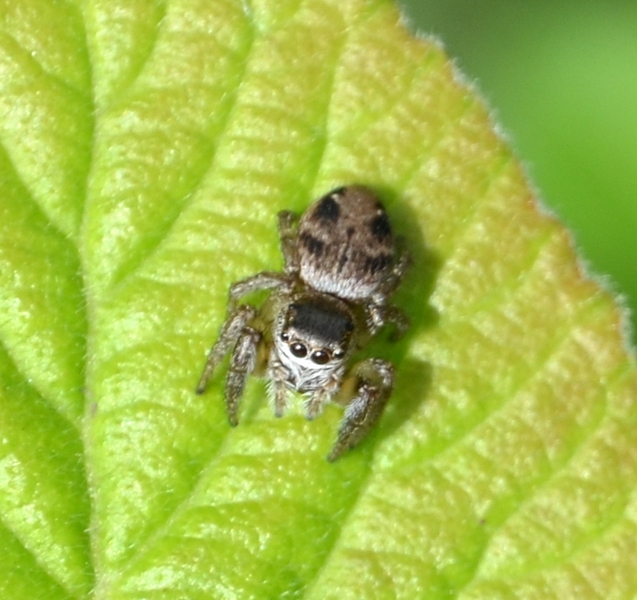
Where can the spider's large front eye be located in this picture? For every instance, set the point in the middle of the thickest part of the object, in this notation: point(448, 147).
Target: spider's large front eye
point(320, 357)
point(299, 350)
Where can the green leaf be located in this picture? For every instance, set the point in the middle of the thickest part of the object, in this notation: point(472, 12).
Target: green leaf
point(146, 148)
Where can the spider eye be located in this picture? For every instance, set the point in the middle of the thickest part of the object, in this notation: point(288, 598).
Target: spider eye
point(320, 357)
point(338, 354)
point(285, 336)
point(299, 350)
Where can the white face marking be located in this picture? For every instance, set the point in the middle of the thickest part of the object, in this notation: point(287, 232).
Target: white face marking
point(303, 373)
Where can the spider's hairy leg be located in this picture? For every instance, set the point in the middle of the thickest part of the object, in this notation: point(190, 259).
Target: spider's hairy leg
point(288, 235)
point(322, 396)
point(265, 280)
point(380, 315)
point(277, 376)
point(231, 330)
point(399, 271)
point(374, 384)
point(242, 363)
point(377, 310)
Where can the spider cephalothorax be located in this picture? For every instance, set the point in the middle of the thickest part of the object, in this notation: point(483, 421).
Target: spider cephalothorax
point(341, 267)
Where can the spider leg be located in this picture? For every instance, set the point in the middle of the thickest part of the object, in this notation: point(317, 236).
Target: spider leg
point(378, 312)
point(265, 280)
point(277, 375)
point(375, 381)
point(289, 248)
point(242, 363)
point(322, 396)
point(230, 332)
point(400, 269)
point(379, 315)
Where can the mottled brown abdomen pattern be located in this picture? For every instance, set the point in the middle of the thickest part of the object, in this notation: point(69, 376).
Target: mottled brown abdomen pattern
point(346, 246)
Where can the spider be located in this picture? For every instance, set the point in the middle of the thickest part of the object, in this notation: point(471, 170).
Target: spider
point(341, 266)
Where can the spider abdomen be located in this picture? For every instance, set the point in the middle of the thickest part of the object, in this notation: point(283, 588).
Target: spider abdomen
point(346, 245)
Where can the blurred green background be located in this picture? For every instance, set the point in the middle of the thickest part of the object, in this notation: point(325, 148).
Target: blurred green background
point(561, 78)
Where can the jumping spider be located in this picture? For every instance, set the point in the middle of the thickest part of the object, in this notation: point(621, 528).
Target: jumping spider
point(341, 265)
